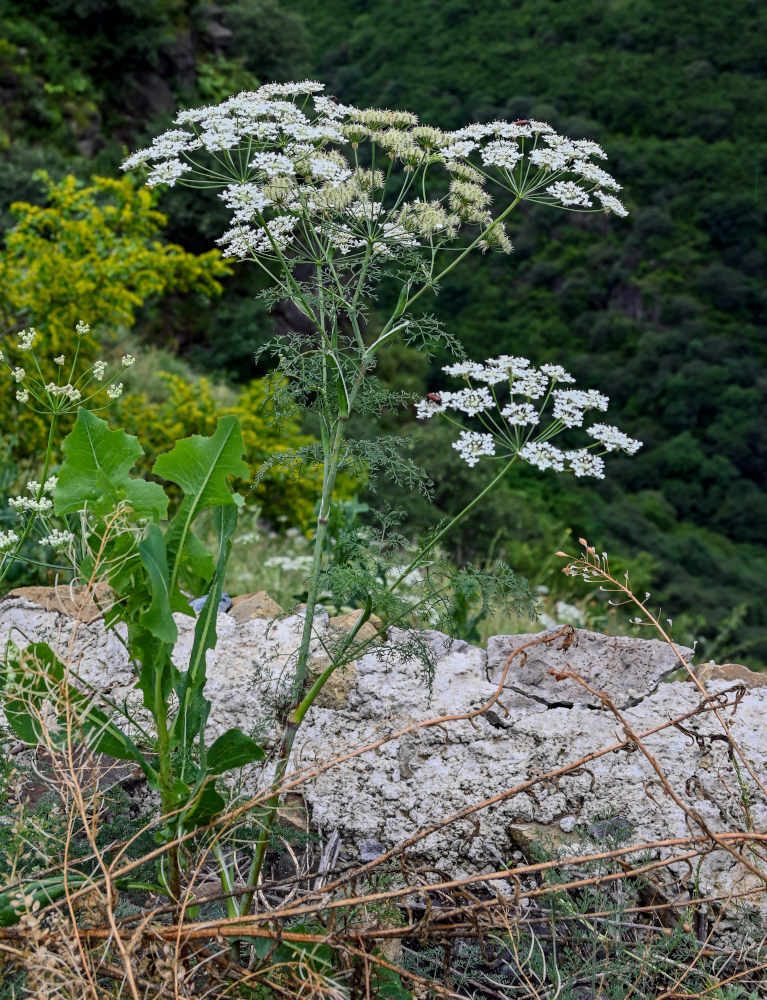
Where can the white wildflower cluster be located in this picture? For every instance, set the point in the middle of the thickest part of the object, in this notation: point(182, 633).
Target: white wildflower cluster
point(281, 157)
point(58, 539)
point(521, 428)
point(27, 339)
point(471, 446)
point(31, 505)
point(60, 396)
point(530, 159)
point(613, 439)
point(7, 540)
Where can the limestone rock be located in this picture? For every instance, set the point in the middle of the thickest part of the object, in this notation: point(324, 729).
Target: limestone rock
point(259, 605)
point(75, 602)
point(405, 776)
point(345, 623)
point(335, 691)
point(624, 668)
point(729, 672)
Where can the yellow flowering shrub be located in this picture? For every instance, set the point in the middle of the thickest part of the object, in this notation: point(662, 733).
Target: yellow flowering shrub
point(285, 498)
point(92, 252)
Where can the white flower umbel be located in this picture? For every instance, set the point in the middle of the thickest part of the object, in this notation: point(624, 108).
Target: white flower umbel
point(58, 539)
point(284, 152)
point(8, 539)
point(613, 439)
point(520, 429)
point(586, 463)
point(521, 414)
point(471, 446)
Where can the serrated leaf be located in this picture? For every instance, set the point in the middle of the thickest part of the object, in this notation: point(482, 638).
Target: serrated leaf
point(232, 749)
point(201, 465)
point(95, 472)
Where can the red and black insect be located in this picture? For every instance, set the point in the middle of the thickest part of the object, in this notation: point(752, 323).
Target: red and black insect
point(522, 121)
point(434, 397)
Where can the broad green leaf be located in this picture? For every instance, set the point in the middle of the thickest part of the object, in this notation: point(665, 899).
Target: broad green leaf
point(205, 804)
point(232, 749)
point(201, 465)
point(95, 472)
point(158, 617)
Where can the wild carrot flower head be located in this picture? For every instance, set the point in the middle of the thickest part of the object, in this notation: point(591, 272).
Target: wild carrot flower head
point(521, 409)
point(295, 183)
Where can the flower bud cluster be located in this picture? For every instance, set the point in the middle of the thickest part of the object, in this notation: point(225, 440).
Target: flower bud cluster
point(521, 428)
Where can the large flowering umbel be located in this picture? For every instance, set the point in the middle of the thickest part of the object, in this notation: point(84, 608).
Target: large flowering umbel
point(521, 409)
point(287, 160)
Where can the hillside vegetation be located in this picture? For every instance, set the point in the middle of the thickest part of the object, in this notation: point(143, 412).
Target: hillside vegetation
point(665, 311)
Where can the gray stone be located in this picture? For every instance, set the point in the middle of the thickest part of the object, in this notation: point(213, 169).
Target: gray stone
point(412, 776)
point(370, 849)
point(624, 668)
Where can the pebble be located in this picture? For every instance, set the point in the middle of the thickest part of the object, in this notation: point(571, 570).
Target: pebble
point(198, 603)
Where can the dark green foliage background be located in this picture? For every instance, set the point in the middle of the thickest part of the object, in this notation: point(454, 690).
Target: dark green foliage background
point(665, 311)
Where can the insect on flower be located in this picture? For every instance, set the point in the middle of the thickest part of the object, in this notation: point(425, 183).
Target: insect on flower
point(522, 121)
point(434, 397)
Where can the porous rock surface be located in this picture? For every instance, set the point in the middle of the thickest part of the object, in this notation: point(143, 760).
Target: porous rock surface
point(541, 723)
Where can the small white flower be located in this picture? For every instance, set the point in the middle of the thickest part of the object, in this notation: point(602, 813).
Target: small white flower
point(82, 328)
point(520, 414)
point(613, 439)
point(127, 360)
point(464, 368)
point(99, 367)
point(571, 404)
point(7, 540)
point(18, 374)
point(26, 339)
point(29, 504)
point(471, 401)
point(22, 396)
point(549, 159)
point(50, 484)
point(471, 446)
point(568, 193)
point(167, 172)
point(501, 154)
point(611, 204)
point(245, 199)
point(33, 487)
point(58, 539)
point(543, 455)
point(115, 391)
point(591, 172)
point(426, 408)
point(60, 360)
point(557, 373)
point(532, 384)
point(585, 463)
